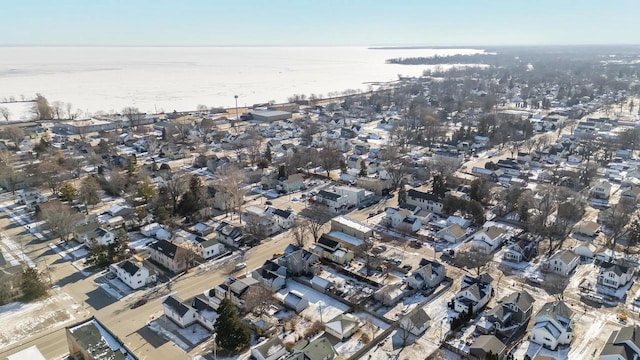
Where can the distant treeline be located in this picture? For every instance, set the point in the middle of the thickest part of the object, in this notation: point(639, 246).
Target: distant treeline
point(488, 59)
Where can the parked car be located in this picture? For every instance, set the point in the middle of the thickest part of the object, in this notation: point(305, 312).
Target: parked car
point(268, 202)
point(240, 266)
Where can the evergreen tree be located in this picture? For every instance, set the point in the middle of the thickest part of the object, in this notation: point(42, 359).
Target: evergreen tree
point(267, 154)
point(32, 285)
point(67, 191)
point(439, 186)
point(233, 333)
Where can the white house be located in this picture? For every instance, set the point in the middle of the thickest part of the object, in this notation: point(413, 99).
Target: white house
point(31, 197)
point(178, 312)
point(417, 322)
point(552, 326)
point(601, 189)
point(342, 326)
point(488, 239)
point(101, 235)
point(132, 273)
point(614, 275)
point(296, 301)
point(334, 201)
point(563, 262)
point(586, 251)
point(474, 293)
point(587, 228)
point(452, 233)
point(209, 248)
point(168, 255)
point(283, 218)
point(355, 196)
point(464, 223)
point(426, 201)
point(292, 183)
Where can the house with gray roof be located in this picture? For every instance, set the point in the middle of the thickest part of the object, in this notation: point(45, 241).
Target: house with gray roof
point(475, 293)
point(269, 349)
point(168, 255)
point(272, 275)
point(429, 275)
point(563, 262)
point(342, 326)
point(416, 322)
point(552, 325)
point(614, 275)
point(623, 344)
point(317, 349)
point(487, 346)
point(511, 312)
point(133, 273)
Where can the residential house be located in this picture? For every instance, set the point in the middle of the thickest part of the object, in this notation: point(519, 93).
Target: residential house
point(453, 233)
point(331, 249)
point(390, 294)
point(202, 229)
point(317, 349)
point(334, 201)
point(229, 234)
point(296, 301)
point(31, 197)
point(601, 189)
point(586, 250)
point(417, 322)
point(355, 196)
point(299, 261)
point(488, 239)
point(209, 248)
point(133, 273)
point(99, 236)
point(180, 313)
point(613, 275)
point(429, 275)
point(235, 289)
point(426, 201)
point(464, 223)
point(173, 151)
point(563, 262)
point(474, 293)
point(271, 275)
point(91, 340)
point(168, 255)
point(521, 250)
point(282, 218)
point(292, 183)
point(552, 326)
point(342, 326)
point(269, 349)
point(486, 347)
point(511, 312)
point(150, 230)
point(352, 228)
point(623, 344)
point(586, 228)
point(631, 194)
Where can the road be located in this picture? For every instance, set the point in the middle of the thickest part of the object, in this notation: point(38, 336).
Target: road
point(129, 325)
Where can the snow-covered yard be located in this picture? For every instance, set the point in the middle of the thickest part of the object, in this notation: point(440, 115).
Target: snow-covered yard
point(186, 338)
point(21, 320)
point(321, 306)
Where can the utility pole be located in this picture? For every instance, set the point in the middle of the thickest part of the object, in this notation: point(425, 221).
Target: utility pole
point(237, 117)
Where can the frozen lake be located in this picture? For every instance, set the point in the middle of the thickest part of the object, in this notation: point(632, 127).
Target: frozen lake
point(180, 78)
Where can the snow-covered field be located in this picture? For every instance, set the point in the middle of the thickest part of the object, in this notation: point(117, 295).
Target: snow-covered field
point(21, 320)
point(186, 338)
point(18, 110)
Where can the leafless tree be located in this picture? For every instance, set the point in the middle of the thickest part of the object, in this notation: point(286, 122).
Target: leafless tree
point(476, 260)
point(152, 145)
point(88, 192)
point(176, 185)
point(616, 220)
point(52, 174)
point(230, 188)
point(61, 219)
point(315, 218)
point(5, 113)
point(181, 127)
point(329, 158)
point(300, 233)
point(556, 284)
point(133, 115)
point(258, 299)
point(57, 109)
point(190, 253)
point(405, 331)
point(253, 144)
point(15, 134)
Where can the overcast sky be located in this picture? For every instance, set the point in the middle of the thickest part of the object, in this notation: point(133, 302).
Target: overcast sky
point(318, 22)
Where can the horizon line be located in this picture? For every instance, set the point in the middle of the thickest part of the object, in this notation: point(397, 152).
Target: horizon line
point(371, 46)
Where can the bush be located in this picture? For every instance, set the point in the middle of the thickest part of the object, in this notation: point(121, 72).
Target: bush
point(314, 329)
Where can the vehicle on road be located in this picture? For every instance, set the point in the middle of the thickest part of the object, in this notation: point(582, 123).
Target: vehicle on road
point(240, 266)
